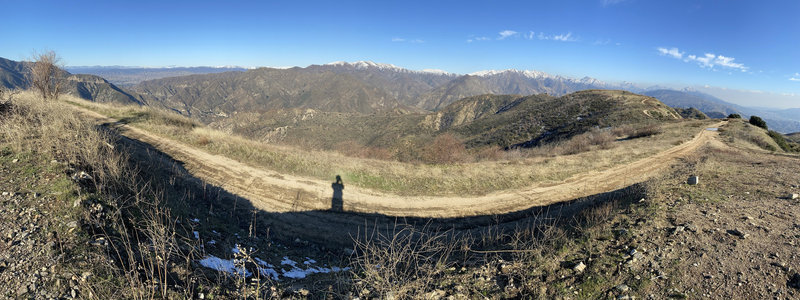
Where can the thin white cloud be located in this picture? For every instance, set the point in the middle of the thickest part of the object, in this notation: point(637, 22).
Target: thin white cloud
point(403, 40)
point(674, 52)
point(530, 35)
point(707, 60)
point(611, 2)
point(794, 79)
point(506, 33)
point(477, 39)
point(565, 37)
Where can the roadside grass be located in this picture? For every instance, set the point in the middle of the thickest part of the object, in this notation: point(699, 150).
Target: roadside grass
point(106, 227)
point(514, 169)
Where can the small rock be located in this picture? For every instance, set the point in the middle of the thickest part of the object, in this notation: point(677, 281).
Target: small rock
point(693, 180)
point(72, 224)
point(622, 288)
point(579, 267)
point(794, 282)
point(15, 160)
point(739, 233)
point(691, 227)
point(792, 196)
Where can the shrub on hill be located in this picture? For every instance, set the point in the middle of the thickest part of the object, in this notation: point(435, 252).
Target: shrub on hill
point(734, 116)
point(445, 149)
point(780, 140)
point(757, 121)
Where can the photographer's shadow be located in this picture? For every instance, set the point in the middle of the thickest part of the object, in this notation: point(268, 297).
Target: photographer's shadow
point(337, 203)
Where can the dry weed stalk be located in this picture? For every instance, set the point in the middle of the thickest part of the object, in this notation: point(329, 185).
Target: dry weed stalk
point(403, 263)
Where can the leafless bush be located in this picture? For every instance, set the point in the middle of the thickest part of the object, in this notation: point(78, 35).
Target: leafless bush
point(602, 139)
point(445, 149)
point(45, 77)
point(403, 264)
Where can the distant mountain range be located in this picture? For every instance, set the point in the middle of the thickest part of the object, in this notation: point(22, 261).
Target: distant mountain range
point(210, 93)
point(785, 121)
point(363, 87)
point(128, 76)
point(14, 74)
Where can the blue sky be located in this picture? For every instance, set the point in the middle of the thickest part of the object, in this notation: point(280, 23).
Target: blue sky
point(743, 45)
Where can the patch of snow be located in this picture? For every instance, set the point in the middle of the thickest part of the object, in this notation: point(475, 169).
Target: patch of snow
point(269, 272)
point(526, 73)
point(224, 265)
point(287, 261)
point(267, 269)
point(196, 220)
point(263, 263)
point(364, 65)
point(436, 71)
point(211, 242)
point(196, 235)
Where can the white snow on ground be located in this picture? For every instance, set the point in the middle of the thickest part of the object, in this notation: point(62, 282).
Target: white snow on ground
point(224, 265)
point(211, 242)
point(196, 235)
point(267, 269)
point(196, 220)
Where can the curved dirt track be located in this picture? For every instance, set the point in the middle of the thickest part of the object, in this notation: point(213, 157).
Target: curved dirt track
point(273, 192)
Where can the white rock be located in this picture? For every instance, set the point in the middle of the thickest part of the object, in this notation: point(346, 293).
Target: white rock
point(579, 267)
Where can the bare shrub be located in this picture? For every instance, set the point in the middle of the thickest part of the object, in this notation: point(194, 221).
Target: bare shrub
point(445, 149)
point(602, 139)
point(646, 131)
point(578, 144)
point(45, 77)
point(402, 264)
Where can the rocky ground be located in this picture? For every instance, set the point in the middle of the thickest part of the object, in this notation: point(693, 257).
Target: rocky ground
point(44, 252)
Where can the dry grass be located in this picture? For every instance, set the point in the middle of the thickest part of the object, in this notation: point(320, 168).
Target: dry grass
point(144, 250)
point(52, 129)
point(513, 169)
point(402, 265)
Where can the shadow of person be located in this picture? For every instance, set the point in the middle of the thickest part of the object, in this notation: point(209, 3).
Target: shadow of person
point(337, 204)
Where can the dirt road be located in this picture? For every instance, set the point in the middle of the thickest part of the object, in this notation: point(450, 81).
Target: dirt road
point(273, 192)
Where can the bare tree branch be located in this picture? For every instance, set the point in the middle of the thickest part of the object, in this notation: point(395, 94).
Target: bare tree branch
point(45, 77)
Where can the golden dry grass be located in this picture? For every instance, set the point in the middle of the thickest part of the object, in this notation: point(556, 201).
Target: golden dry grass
point(52, 129)
point(514, 169)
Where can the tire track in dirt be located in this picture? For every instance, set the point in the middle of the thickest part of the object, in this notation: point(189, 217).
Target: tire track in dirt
point(274, 192)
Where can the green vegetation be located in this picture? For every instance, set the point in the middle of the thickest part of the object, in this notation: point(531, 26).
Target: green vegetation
point(757, 121)
point(782, 143)
point(734, 116)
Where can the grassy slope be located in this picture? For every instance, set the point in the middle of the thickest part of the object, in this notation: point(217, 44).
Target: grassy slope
point(475, 178)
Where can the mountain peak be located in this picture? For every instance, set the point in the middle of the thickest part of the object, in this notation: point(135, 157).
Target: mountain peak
point(527, 73)
point(364, 65)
